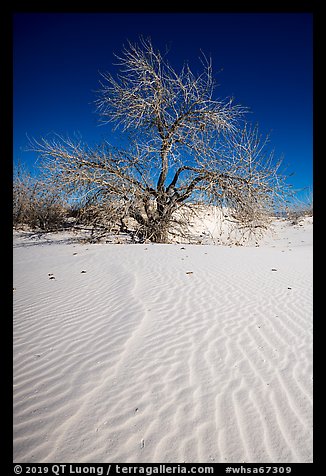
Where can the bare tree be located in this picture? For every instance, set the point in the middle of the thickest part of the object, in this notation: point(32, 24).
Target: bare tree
point(184, 146)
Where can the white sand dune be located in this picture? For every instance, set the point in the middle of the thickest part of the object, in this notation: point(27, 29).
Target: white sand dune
point(163, 353)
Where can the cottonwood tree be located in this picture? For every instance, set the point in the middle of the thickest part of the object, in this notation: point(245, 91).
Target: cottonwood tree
point(185, 146)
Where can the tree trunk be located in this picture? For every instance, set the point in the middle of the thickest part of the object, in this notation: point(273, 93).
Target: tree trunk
point(154, 219)
point(159, 232)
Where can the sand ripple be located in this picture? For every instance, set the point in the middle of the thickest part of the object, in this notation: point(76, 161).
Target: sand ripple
point(138, 361)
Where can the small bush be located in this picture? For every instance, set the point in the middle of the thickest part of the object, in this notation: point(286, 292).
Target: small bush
point(34, 204)
point(300, 209)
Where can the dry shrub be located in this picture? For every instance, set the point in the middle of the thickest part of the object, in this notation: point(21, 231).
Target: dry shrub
point(34, 204)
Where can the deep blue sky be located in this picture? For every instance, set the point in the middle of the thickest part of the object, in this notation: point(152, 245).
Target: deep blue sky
point(263, 60)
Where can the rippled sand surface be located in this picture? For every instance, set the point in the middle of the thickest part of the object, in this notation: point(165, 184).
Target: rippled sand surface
point(163, 353)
